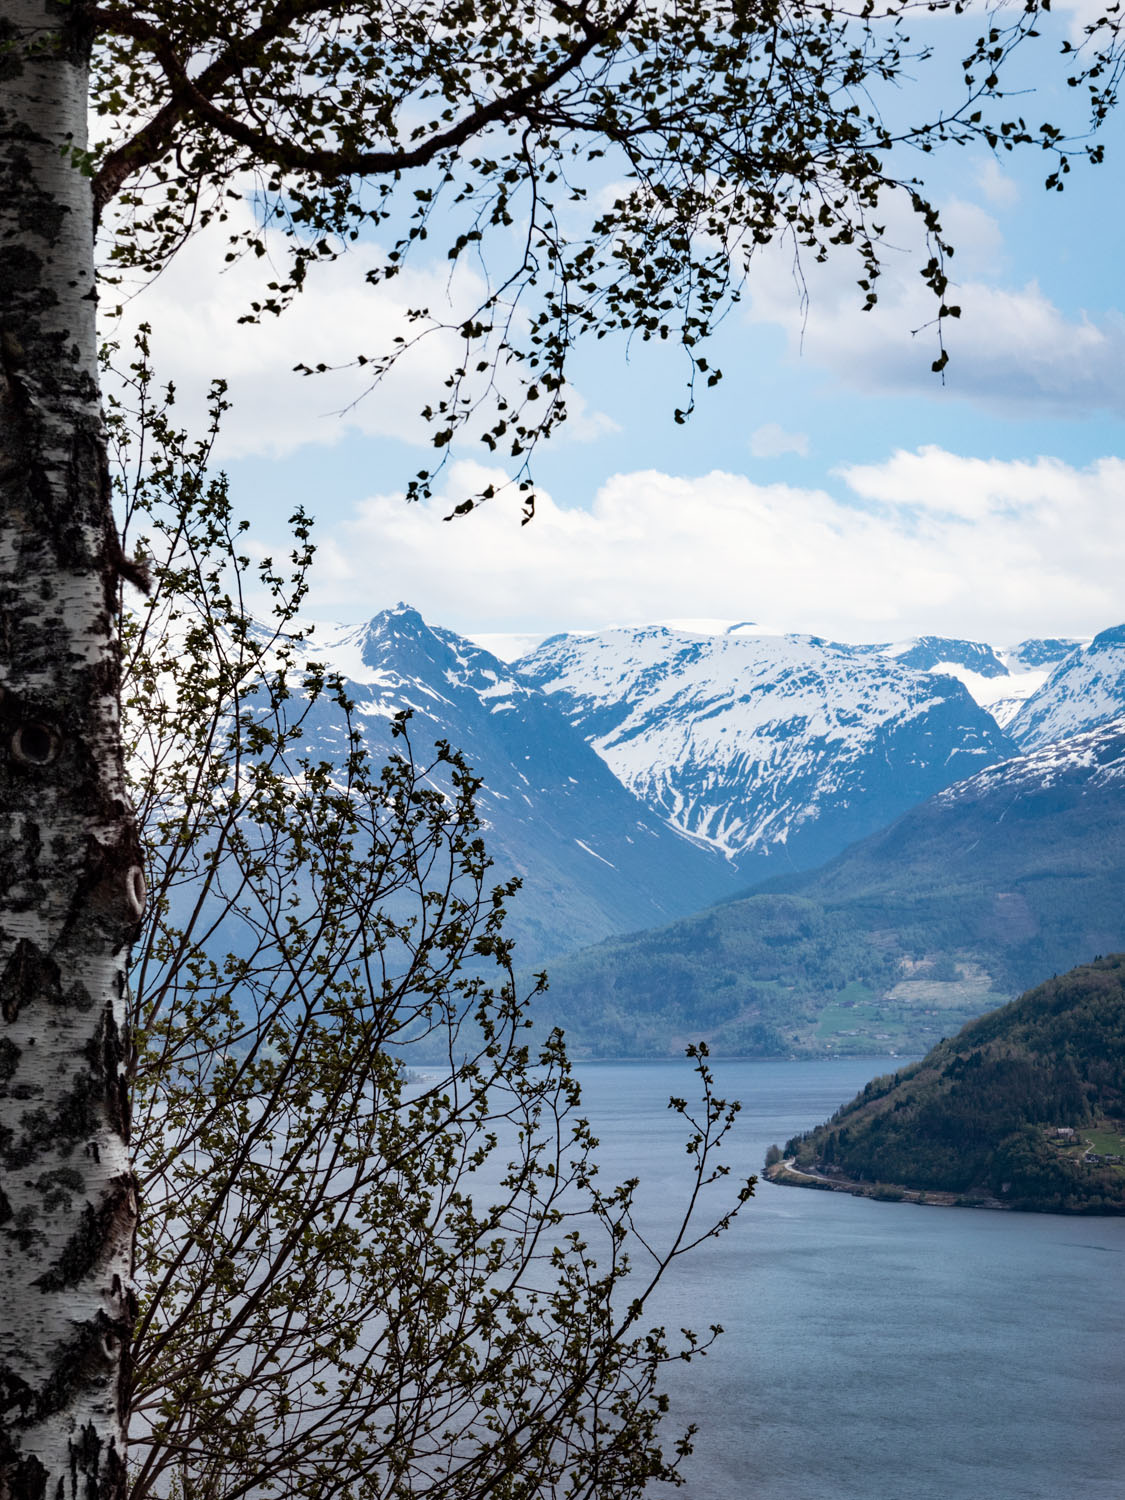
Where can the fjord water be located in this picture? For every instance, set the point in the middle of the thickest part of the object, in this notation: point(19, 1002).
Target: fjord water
point(873, 1351)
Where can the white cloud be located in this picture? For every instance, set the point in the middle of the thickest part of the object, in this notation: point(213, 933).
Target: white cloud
point(996, 185)
point(1012, 349)
point(194, 308)
point(771, 441)
point(1040, 539)
point(925, 542)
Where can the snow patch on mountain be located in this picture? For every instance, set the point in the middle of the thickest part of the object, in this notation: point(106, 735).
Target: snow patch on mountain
point(593, 860)
point(756, 743)
point(999, 678)
point(1085, 689)
point(1095, 758)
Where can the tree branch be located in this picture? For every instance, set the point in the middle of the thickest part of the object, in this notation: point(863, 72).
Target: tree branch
point(154, 138)
point(193, 97)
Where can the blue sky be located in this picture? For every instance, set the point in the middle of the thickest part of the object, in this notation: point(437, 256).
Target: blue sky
point(831, 483)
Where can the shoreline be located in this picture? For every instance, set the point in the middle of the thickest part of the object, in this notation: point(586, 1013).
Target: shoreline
point(785, 1174)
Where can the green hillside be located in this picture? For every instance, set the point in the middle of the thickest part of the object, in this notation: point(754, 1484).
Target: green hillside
point(1023, 1108)
point(954, 908)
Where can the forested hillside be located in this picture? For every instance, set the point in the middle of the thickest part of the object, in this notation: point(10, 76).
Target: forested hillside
point(1024, 1107)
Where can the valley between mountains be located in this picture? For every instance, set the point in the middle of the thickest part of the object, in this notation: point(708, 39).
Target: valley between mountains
point(775, 843)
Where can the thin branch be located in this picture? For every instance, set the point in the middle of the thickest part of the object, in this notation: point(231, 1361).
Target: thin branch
point(193, 97)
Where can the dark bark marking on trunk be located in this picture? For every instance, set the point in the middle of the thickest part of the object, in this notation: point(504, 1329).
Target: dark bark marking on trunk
point(77, 997)
point(15, 1395)
point(9, 1059)
point(104, 890)
point(85, 1361)
point(75, 1117)
point(26, 1478)
point(60, 1186)
point(25, 1475)
point(19, 272)
point(49, 514)
point(22, 1477)
point(11, 64)
point(115, 1058)
point(84, 1457)
point(126, 1364)
point(28, 975)
point(86, 1246)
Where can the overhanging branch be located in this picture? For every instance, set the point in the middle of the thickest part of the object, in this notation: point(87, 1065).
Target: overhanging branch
point(194, 98)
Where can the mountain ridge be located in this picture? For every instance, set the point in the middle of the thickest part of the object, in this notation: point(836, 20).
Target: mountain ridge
point(772, 749)
point(598, 863)
point(1083, 690)
point(592, 859)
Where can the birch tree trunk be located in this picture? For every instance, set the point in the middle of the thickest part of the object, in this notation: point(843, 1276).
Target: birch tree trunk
point(71, 887)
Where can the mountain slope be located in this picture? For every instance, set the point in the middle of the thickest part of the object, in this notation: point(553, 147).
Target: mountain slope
point(777, 751)
point(999, 679)
point(1084, 690)
point(592, 859)
point(1020, 1109)
point(1015, 873)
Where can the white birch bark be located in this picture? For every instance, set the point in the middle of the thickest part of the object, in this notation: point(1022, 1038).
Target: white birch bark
point(70, 883)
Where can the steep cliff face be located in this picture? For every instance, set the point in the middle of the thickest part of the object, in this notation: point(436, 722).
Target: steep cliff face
point(775, 750)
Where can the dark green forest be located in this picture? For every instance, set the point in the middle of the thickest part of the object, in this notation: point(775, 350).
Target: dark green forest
point(1024, 1107)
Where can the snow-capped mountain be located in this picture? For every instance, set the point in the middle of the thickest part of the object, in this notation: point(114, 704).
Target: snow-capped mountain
point(939, 653)
point(1085, 689)
point(1091, 759)
point(592, 859)
point(999, 678)
point(775, 750)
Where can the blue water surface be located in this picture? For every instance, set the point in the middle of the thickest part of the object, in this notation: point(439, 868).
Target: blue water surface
point(873, 1351)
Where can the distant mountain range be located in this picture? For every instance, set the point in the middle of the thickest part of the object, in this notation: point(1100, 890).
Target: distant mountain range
point(593, 860)
point(983, 889)
point(1000, 679)
point(776, 751)
point(1086, 688)
point(636, 776)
